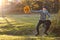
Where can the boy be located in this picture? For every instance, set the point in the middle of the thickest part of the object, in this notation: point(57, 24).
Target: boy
point(43, 20)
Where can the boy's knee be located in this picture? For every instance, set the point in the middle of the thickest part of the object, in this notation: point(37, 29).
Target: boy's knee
point(48, 22)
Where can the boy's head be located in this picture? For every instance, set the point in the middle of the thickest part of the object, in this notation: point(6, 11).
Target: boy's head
point(44, 8)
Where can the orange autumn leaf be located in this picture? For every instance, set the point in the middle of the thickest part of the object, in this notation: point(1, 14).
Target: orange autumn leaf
point(26, 9)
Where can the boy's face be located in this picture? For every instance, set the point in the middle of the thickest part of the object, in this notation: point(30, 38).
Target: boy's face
point(44, 9)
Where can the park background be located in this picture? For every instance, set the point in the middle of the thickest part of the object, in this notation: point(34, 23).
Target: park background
point(16, 25)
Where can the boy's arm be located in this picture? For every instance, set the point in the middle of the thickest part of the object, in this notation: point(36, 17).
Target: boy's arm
point(49, 15)
point(36, 11)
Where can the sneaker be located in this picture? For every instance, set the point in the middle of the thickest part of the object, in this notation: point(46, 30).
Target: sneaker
point(46, 33)
point(36, 34)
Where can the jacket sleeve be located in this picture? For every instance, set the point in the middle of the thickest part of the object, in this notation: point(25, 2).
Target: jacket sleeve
point(39, 11)
point(49, 15)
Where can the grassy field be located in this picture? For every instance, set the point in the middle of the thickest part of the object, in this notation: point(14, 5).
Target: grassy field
point(22, 27)
point(9, 37)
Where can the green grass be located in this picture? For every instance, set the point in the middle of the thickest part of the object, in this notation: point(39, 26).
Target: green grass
point(9, 37)
point(20, 25)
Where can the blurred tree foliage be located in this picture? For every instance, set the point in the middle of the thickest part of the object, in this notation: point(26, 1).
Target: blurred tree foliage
point(53, 6)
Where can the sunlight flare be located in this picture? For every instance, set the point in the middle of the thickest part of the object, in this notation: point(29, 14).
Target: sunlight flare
point(1, 18)
point(1, 2)
point(10, 0)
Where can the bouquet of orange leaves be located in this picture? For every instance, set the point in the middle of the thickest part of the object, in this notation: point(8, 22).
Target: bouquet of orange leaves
point(27, 9)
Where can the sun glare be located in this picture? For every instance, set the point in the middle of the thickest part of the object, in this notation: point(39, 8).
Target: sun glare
point(1, 18)
point(9, 0)
point(0, 2)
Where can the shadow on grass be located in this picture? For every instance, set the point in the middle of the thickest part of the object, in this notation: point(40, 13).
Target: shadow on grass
point(17, 30)
point(21, 30)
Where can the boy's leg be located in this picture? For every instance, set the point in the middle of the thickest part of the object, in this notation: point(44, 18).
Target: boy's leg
point(47, 23)
point(37, 27)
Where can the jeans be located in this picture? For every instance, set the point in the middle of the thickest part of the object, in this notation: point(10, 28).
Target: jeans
point(45, 22)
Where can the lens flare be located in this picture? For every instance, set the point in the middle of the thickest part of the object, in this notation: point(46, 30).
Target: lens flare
point(9, 0)
point(0, 2)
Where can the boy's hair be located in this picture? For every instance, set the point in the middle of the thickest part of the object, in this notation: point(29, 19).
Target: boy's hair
point(45, 7)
